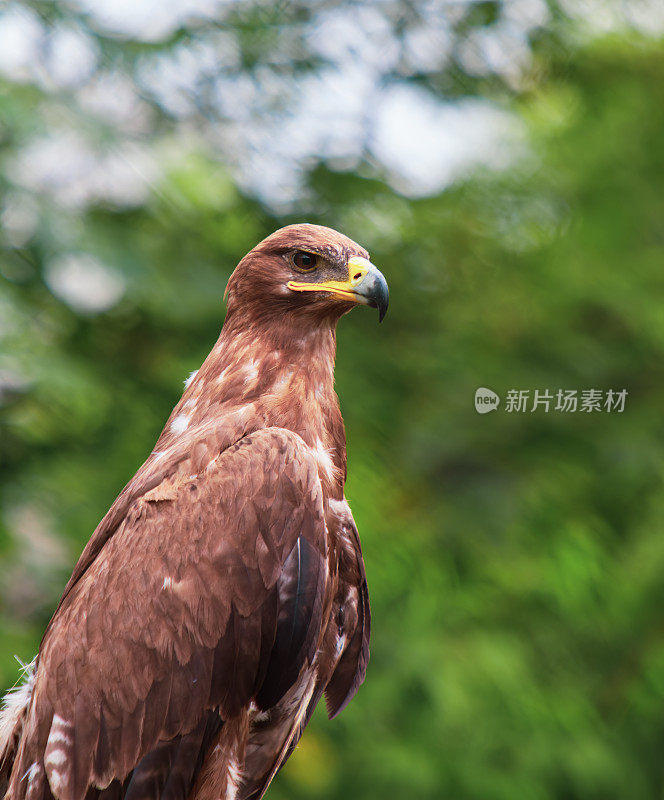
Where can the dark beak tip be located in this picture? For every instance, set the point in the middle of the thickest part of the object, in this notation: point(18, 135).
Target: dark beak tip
point(383, 303)
point(381, 306)
point(378, 294)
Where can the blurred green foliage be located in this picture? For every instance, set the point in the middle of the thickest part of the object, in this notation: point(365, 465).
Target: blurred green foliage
point(515, 561)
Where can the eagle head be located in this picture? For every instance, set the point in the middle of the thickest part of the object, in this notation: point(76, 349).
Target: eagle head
point(306, 271)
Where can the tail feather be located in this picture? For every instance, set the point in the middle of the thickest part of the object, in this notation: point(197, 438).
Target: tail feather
point(13, 714)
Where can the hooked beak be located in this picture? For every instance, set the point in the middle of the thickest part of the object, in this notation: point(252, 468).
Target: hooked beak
point(366, 285)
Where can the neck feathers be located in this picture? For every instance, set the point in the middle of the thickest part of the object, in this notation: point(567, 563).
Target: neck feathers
point(275, 378)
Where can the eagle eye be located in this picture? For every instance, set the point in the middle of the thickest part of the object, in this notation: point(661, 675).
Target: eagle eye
point(305, 262)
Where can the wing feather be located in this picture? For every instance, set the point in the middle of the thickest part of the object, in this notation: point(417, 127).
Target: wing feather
point(341, 668)
point(179, 612)
point(351, 668)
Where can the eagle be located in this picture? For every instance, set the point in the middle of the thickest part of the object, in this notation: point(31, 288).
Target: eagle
point(224, 592)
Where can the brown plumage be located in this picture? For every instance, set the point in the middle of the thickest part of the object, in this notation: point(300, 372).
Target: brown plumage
point(224, 591)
